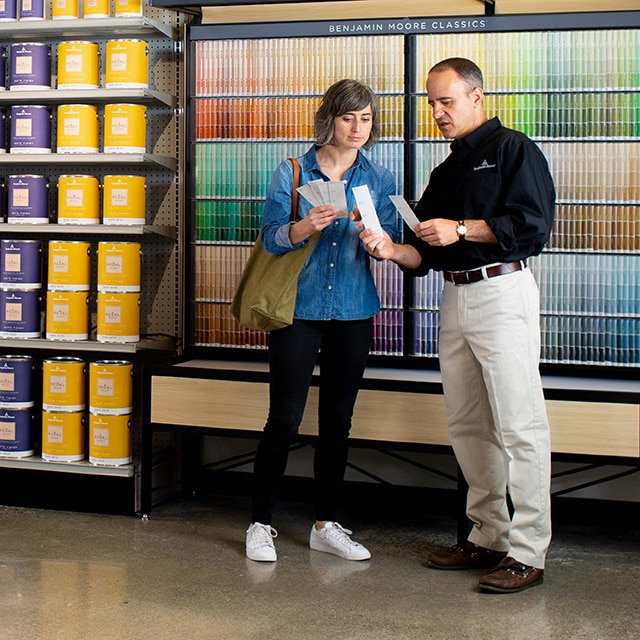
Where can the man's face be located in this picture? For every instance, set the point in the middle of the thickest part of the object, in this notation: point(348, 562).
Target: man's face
point(456, 108)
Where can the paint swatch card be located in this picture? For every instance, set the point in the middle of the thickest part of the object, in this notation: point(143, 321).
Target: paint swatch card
point(319, 192)
point(338, 197)
point(367, 209)
point(310, 193)
point(405, 211)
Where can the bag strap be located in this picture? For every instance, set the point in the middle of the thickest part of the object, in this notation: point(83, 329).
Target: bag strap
point(294, 192)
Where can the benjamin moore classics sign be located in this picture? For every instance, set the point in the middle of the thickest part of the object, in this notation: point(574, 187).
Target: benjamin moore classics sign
point(534, 22)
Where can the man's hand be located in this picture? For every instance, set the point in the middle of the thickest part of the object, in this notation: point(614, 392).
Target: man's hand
point(441, 232)
point(438, 232)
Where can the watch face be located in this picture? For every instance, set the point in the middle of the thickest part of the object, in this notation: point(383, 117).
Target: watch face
point(462, 229)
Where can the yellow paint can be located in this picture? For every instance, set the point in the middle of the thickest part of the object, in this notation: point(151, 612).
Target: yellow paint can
point(63, 384)
point(126, 64)
point(63, 436)
point(67, 315)
point(110, 439)
point(97, 8)
point(78, 200)
point(125, 128)
point(124, 200)
point(78, 65)
point(78, 128)
point(118, 317)
point(69, 265)
point(111, 387)
point(119, 266)
point(64, 9)
point(128, 8)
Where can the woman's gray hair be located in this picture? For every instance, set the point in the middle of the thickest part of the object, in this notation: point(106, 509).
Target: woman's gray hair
point(343, 97)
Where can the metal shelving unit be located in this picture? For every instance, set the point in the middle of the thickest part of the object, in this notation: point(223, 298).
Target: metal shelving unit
point(160, 238)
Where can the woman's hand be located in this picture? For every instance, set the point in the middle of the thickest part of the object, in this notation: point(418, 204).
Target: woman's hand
point(379, 246)
point(319, 218)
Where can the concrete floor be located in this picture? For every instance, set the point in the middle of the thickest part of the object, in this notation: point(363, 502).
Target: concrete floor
point(183, 575)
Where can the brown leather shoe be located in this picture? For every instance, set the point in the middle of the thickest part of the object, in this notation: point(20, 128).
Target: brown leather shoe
point(511, 576)
point(465, 556)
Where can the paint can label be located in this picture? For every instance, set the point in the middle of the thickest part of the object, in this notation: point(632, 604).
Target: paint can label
point(77, 128)
point(20, 264)
point(125, 128)
point(63, 436)
point(124, 200)
point(30, 129)
point(78, 200)
point(16, 381)
point(20, 313)
point(63, 384)
point(64, 9)
point(118, 317)
point(28, 199)
point(96, 8)
point(127, 64)
point(15, 433)
point(119, 267)
point(111, 387)
point(30, 66)
point(69, 266)
point(78, 65)
point(110, 439)
point(67, 315)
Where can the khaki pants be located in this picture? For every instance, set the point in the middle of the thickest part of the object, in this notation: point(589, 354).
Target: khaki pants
point(489, 357)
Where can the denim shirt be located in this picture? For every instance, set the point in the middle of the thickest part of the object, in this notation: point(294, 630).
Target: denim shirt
point(336, 281)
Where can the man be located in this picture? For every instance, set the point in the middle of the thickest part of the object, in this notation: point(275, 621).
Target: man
point(486, 209)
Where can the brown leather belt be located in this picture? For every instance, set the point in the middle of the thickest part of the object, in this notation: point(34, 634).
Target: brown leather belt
point(458, 278)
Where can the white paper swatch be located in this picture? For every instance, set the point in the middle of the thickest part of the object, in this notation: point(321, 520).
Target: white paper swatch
point(405, 211)
point(367, 209)
point(319, 192)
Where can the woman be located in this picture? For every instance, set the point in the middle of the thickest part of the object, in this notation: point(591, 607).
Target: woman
point(335, 304)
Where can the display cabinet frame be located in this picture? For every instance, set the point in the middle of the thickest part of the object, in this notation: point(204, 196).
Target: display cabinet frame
point(415, 171)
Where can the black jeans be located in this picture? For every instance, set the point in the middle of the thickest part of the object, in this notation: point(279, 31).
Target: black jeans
point(293, 352)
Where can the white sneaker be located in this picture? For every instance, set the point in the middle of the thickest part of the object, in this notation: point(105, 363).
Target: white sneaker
point(333, 538)
point(260, 545)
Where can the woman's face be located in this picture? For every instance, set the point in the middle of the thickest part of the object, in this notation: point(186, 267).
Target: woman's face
point(351, 130)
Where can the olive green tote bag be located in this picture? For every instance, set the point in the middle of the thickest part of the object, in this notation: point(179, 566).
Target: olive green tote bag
point(266, 294)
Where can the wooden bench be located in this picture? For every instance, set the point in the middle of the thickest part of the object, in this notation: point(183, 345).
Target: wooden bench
point(396, 407)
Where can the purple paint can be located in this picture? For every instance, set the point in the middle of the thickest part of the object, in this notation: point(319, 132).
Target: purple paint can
point(16, 380)
point(15, 433)
point(20, 313)
point(8, 10)
point(3, 68)
point(3, 201)
point(32, 9)
point(20, 264)
point(28, 199)
point(3, 131)
point(30, 130)
point(30, 66)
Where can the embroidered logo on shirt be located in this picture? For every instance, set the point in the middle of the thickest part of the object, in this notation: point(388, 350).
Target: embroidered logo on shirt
point(484, 165)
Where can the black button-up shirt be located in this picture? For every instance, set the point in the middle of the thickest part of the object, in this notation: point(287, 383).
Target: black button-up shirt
point(494, 174)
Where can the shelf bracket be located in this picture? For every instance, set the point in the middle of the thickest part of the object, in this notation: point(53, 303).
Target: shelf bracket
point(489, 7)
